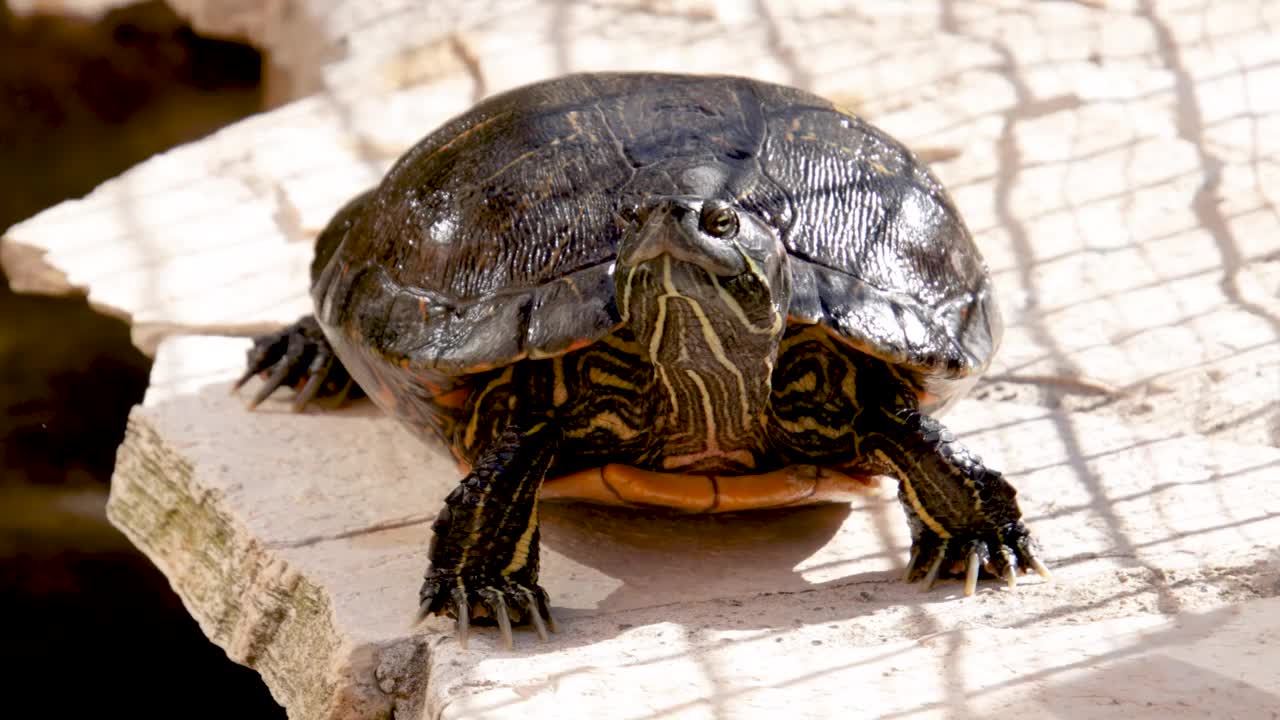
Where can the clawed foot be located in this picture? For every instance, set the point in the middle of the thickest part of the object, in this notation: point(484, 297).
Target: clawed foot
point(502, 603)
point(1003, 553)
point(298, 356)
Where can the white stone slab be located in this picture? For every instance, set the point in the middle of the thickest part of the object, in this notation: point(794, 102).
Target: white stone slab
point(298, 542)
point(1115, 160)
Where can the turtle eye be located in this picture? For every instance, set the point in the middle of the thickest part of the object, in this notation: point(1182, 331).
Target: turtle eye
point(718, 219)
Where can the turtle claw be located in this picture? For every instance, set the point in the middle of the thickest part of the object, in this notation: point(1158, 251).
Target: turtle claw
point(464, 616)
point(317, 373)
point(1040, 569)
point(539, 625)
point(1010, 569)
point(297, 356)
point(911, 564)
point(501, 613)
point(1002, 553)
point(500, 604)
point(932, 576)
point(1011, 578)
point(270, 385)
point(972, 566)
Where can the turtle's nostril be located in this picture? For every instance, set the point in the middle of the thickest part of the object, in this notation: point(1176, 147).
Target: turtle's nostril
point(678, 211)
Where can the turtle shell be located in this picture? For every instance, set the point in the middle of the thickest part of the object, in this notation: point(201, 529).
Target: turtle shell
point(494, 238)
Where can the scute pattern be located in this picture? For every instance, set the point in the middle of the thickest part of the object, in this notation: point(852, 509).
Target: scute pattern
point(494, 239)
point(566, 311)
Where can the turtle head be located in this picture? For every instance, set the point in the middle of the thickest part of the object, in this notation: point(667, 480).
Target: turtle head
point(684, 254)
point(704, 286)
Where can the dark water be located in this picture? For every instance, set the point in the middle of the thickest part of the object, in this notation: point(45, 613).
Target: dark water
point(89, 626)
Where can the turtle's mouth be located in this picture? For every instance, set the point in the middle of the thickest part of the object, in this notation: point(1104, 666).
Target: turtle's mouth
point(654, 284)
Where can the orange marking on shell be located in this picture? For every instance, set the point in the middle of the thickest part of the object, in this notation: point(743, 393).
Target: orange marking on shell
point(691, 493)
point(435, 383)
point(453, 399)
point(629, 486)
point(578, 344)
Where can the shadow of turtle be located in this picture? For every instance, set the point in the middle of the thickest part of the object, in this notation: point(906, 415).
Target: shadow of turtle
point(658, 557)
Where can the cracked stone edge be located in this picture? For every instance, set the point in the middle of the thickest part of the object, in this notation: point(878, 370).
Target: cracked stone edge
point(249, 601)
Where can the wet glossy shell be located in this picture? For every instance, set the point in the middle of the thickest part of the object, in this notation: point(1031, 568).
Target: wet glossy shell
point(494, 238)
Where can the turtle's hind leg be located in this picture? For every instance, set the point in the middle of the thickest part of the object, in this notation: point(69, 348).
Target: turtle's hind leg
point(964, 516)
point(297, 356)
point(484, 553)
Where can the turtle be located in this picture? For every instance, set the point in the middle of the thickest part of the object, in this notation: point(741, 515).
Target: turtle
point(706, 293)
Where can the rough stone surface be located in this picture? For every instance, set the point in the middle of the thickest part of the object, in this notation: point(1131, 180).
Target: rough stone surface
point(1117, 163)
point(298, 541)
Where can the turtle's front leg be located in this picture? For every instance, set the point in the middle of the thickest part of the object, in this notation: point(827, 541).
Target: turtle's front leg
point(964, 516)
point(484, 553)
